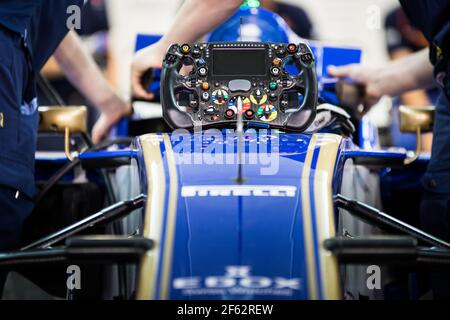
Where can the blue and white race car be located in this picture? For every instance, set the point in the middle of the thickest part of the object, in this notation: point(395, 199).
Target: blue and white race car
point(252, 194)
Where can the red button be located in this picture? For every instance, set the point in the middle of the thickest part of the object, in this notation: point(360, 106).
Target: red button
point(292, 48)
point(249, 114)
point(229, 113)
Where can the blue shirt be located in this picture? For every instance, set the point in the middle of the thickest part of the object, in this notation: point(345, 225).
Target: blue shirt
point(432, 17)
point(36, 27)
point(16, 15)
point(42, 22)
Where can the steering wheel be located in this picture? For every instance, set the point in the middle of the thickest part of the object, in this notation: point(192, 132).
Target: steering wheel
point(224, 72)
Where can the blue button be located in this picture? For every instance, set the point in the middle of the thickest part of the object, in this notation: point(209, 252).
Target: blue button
point(201, 62)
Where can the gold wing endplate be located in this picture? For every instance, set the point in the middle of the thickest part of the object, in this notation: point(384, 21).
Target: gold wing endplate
point(67, 120)
point(416, 120)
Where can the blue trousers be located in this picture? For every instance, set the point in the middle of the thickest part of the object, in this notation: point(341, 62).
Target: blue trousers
point(15, 207)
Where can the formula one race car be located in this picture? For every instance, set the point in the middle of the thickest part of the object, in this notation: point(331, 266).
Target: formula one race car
point(242, 200)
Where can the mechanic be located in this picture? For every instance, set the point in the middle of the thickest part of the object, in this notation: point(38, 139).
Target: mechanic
point(194, 19)
point(30, 31)
point(432, 17)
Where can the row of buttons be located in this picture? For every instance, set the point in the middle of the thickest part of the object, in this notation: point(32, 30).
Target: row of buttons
point(238, 45)
point(257, 98)
point(248, 114)
point(280, 49)
point(186, 49)
point(266, 113)
point(240, 85)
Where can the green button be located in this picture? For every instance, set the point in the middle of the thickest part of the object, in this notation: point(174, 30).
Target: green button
point(273, 86)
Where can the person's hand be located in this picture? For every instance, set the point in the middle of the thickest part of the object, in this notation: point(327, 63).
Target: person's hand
point(363, 76)
point(145, 59)
point(116, 111)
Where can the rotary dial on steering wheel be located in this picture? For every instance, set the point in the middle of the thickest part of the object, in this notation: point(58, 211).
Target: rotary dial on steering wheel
point(258, 97)
point(220, 96)
point(267, 113)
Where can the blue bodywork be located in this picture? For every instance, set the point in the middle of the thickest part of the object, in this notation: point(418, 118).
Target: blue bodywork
point(214, 242)
point(270, 228)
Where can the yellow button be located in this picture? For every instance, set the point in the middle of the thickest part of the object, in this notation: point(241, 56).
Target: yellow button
point(185, 48)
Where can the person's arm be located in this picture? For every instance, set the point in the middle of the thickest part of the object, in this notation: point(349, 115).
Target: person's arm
point(417, 97)
point(84, 74)
point(393, 79)
point(51, 70)
point(414, 98)
point(194, 19)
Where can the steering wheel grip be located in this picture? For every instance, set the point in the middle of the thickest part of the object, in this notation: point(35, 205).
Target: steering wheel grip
point(174, 117)
point(302, 119)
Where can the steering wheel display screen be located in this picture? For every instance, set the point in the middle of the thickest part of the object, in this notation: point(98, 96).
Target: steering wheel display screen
point(239, 62)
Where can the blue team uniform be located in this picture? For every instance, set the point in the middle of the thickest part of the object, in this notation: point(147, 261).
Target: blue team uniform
point(432, 17)
point(30, 31)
